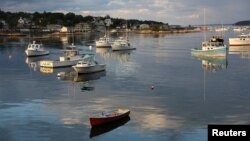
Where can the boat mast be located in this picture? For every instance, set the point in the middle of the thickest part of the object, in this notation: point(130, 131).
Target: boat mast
point(204, 22)
point(73, 40)
point(126, 30)
point(204, 85)
point(222, 30)
point(204, 75)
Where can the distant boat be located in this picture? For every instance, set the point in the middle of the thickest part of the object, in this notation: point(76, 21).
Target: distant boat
point(103, 42)
point(98, 130)
point(239, 29)
point(222, 29)
point(109, 117)
point(70, 58)
point(35, 49)
point(214, 48)
point(204, 28)
point(121, 44)
point(88, 65)
point(243, 39)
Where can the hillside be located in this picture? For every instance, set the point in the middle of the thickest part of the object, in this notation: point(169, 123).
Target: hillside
point(242, 23)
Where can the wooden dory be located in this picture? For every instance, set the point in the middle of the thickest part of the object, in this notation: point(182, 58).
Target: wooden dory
point(109, 117)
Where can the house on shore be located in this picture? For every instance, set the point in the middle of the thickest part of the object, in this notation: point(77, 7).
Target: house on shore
point(53, 27)
point(82, 27)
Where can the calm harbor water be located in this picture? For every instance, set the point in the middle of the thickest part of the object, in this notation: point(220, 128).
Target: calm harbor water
point(189, 92)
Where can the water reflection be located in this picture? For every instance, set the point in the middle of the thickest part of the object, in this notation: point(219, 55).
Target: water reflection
point(64, 39)
point(104, 52)
point(157, 115)
point(243, 51)
point(212, 64)
point(46, 70)
point(86, 80)
point(32, 62)
point(122, 56)
point(96, 131)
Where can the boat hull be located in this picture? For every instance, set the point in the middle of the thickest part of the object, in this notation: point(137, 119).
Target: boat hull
point(102, 44)
point(118, 47)
point(104, 120)
point(239, 42)
point(33, 53)
point(92, 69)
point(98, 130)
point(123, 48)
point(217, 52)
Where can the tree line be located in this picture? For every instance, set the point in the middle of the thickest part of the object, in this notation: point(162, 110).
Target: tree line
point(68, 19)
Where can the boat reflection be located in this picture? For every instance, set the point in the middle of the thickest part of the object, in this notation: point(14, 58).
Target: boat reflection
point(98, 130)
point(104, 51)
point(32, 62)
point(243, 51)
point(122, 56)
point(46, 70)
point(212, 64)
point(86, 81)
point(75, 77)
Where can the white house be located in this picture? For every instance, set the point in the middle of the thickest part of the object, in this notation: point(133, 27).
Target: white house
point(21, 21)
point(82, 27)
point(64, 29)
point(54, 27)
point(144, 26)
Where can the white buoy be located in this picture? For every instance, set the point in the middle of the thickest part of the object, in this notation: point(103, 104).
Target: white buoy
point(90, 47)
point(59, 74)
point(152, 87)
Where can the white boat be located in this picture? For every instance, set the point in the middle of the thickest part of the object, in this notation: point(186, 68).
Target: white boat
point(70, 58)
point(213, 48)
point(121, 44)
point(243, 39)
point(88, 65)
point(103, 42)
point(221, 29)
point(35, 49)
point(239, 29)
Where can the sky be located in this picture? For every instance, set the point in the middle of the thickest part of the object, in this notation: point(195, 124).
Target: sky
point(181, 12)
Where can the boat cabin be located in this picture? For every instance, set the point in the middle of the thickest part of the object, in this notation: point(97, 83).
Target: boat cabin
point(243, 36)
point(214, 42)
point(87, 62)
point(71, 51)
point(34, 46)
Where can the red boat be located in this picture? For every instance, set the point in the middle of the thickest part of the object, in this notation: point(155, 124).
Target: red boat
point(109, 117)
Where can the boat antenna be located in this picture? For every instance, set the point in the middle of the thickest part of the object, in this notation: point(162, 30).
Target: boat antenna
point(126, 29)
point(73, 40)
point(204, 83)
point(222, 29)
point(204, 22)
point(29, 33)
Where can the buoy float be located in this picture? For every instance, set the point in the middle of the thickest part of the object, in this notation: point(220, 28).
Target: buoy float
point(10, 56)
point(152, 87)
